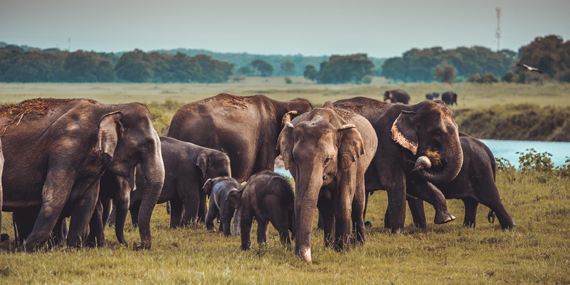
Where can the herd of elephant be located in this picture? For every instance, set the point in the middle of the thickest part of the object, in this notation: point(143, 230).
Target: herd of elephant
point(401, 96)
point(75, 157)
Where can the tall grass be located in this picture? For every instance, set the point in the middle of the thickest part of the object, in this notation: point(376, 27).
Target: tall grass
point(536, 251)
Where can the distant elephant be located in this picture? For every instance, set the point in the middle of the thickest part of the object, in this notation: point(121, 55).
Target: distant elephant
point(268, 197)
point(404, 134)
point(244, 127)
point(396, 96)
point(474, 184)
point(188, 167)
point(435, 95)
point(218, 189)
point(449, 98)
point(429, 96)
point(327, 152)
point(56, 151)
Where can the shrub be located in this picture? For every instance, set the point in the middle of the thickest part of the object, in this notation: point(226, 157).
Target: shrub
point(367, 79)
point(535, 161)
point(508, 77)
point(288, 80)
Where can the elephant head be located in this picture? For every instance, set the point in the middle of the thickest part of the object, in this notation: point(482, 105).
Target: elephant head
point(317, 148)
point(428, 130)
point(388, 95)
point(234, 198)
point(126, 138)
point(213, 164)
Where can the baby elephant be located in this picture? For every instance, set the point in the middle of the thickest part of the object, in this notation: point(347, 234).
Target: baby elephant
point(218, 190)
point(268, 197)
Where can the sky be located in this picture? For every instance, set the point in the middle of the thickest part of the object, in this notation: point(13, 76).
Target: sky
point(309, 27)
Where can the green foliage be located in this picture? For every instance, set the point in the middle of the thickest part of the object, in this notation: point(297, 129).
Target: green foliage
point(287, 68)
point(549, 54)
point(516, 122)
point(265, 69)
point(162, 114)
point(419, 64)
point(508, 77)
point(534, 161)
point(310, 72)
point(345, 69)
point(245, 70)
point(487, 77)
point(53, 65)
point(367, 79)
point(445, 72)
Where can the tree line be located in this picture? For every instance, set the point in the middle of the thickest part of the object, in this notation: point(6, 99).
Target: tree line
point(54, 65)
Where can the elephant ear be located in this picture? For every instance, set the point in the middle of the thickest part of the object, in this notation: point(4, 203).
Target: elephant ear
point(404, 132)
point(203, 162)
point(285, 145)
point(234, 197)
point(110, 129)
point(207, 187)
point(287, 118)
point(351, 146)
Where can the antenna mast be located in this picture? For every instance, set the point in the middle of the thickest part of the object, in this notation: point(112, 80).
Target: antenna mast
point(498, 35)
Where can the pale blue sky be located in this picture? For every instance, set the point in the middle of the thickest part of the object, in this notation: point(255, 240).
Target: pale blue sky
point(379, 28)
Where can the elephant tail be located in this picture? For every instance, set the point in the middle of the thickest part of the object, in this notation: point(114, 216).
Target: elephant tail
point(17, 238)
point(491, 216)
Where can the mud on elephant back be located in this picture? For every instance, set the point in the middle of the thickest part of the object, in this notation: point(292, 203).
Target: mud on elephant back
point(327, 152)
point(77, 139)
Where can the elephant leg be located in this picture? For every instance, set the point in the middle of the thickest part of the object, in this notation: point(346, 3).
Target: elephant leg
point(261, 231)
point(190, 194)
point(397, 202)
point(176, 209)
point(428, 192)
point(245, 225)
point(343, 209)
point(96, 235)
point(213, 212)
point(106, 209)
point(56, 190)
point(81, 214)
point(226, 213)
point(121, 207)
point(470, 212)
point(325, 207)
point(492, 200)
point(134, 210)
point(418, 212)
point(291, 222)
point(236, 222)
point(202, 209)
point(279, 220)
point(24, 220)
point(59, 231)
point(320, 222)
point(358, 207)
point(112, 216)
point(387, 218)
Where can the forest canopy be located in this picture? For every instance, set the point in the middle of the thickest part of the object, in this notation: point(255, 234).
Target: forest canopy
point(54, 65)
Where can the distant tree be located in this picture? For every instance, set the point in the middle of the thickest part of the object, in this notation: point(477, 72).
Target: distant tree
point(134, 66)
point(310, 72)
point(344, 69)
point(445, 72)
point(488, 77)
point(287, 68)
point(265, 69)
point(367, 79)
point(475, 78)
point(288, 80)
point(549, 54)
point(245, 70)
point(508, 77)
point(80, 67)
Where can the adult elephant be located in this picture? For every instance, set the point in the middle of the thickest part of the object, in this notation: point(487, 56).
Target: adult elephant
point(327, 152)
point(449, 98)
point(56, 151)
point(396, 96)
point(404, 134)
point(474, 184)
point(2, 236)
point(188, 167)
point(244, 127)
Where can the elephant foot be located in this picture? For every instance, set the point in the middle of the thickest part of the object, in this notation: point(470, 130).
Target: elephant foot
point(368, 224)
point(210, 230)
point(141, 246)
point(305, 255)
point(4, 237)
point(442, 217)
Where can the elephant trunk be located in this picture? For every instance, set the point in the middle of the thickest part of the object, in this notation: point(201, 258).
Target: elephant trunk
point(453, 158)
point(306, 198)
point(153, 172)
point(120, 218)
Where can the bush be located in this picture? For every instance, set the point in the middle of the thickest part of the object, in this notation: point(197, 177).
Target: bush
point(367, 79)
point(445, 72)
point(288, 80)
point(535, 161)
point(508, 77)
point(475, 78)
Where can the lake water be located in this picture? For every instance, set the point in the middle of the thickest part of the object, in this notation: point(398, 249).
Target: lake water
point(509, 149)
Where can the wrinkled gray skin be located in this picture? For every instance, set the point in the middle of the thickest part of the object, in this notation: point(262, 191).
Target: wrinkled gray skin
point(3, 237)
point(244, 127)
point(188, 167)
point(327, 152)
point(218, 190)
point(77, 140)
point(268, 197)
point(404, 134)
point(474, 184)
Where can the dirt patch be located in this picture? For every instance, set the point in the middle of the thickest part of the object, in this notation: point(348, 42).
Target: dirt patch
point(232, 100)
point(35, 107)
point(344, 114)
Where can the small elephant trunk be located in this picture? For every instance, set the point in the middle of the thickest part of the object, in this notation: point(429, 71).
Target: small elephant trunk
point(305, 205)
point(454, 161)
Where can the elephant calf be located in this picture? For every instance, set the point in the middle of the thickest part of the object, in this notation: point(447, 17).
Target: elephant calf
point(219, 189)
point(268, 197)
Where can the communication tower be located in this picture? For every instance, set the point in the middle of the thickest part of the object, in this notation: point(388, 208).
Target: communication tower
point(498, 35)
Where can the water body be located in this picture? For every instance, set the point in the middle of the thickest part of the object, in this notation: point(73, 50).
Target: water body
point(509, 149)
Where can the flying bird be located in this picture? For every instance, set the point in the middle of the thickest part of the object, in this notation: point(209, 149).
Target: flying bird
point(529, 68)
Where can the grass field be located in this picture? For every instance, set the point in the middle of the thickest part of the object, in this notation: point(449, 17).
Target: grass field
point(538, 251)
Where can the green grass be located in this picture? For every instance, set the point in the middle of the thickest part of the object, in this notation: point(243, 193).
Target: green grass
point(536, 252)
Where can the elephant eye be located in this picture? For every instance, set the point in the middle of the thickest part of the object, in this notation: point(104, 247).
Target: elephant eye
point(327, 160)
